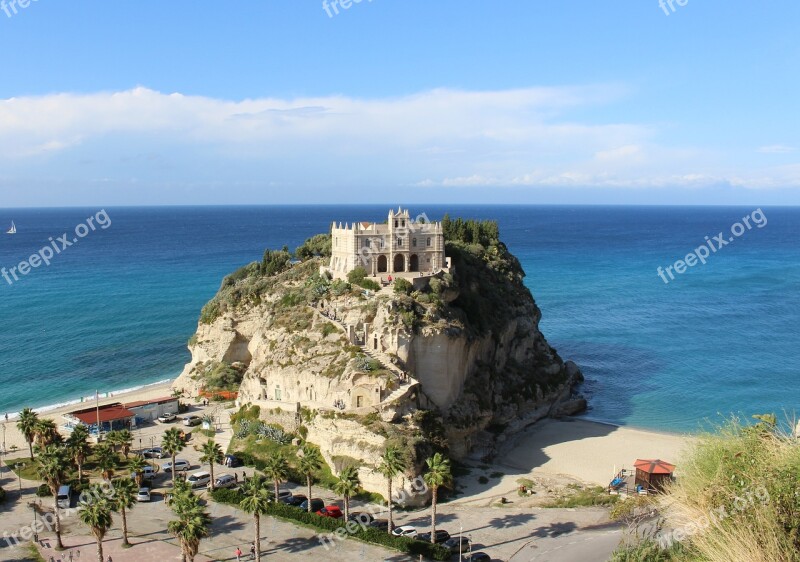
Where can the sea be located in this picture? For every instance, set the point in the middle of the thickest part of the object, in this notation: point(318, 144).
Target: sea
point(116, 306)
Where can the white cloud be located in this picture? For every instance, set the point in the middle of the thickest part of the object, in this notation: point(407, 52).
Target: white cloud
point(436, 139)
point(777, 149)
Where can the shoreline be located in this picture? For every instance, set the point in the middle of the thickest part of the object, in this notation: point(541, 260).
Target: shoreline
point(90, 399)
point(55, 412)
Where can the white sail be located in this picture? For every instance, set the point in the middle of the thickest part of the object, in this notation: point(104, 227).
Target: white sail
point(13, 229)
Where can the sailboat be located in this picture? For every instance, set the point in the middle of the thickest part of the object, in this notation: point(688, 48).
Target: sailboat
point(13, 229)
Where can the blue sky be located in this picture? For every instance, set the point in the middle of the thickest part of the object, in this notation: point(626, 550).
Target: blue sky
point(399, 101)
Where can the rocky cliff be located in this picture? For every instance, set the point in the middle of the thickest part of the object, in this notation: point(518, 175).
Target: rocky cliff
point(450, 362)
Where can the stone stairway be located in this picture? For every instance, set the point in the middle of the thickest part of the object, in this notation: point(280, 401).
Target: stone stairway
point(407, 382)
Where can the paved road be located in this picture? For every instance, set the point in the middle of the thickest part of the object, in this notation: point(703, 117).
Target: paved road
point(584, 546)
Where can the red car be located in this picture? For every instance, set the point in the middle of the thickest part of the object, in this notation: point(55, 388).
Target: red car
point(332, 511)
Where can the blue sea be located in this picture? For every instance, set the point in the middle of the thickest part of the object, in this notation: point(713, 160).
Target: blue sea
point(115, 310)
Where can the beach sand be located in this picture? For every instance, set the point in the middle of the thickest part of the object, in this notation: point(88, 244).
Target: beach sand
point(14, 437)
point(571, 450)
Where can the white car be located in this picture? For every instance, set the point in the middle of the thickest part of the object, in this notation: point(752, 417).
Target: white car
point(224, 481)
point(166, 418)
point(180, 466)
point(143, 495)
point(405, 531)
point(199, 479)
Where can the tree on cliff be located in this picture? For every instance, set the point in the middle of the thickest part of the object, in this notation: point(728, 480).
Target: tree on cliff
point(310, 462)
point(391, 464)
point(438, 474)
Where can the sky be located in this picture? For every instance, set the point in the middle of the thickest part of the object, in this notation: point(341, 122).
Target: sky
point(389, 101)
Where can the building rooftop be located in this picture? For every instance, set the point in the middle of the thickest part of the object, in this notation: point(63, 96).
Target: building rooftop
point(111, 412)
point(140, 403)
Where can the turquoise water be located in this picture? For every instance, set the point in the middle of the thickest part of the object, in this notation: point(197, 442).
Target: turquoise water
point(115, 310)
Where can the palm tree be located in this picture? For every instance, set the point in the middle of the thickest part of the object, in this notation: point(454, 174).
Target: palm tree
point(309, 463)
point(277, 470)
point(172, 443)
point(438, 474)
point(390, 465)
point(27, 426)
point(112, 438)
point(106, 460)
point(79, 448)
point(193, 521)
point(124, 499)
point(212, 454)
point(95, 512)
point(256, 502)
point(137, 465)
point(52, 469)
point(46, 432)
point(347, 485)
point(124, 440)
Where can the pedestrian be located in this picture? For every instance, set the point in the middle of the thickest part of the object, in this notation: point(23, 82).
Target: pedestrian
point(236, 477)
point(109, 559)
point(244, 476)
point(238, 554)
point(253, 551)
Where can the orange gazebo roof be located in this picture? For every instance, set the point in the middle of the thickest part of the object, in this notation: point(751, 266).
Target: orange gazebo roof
point(656, 466)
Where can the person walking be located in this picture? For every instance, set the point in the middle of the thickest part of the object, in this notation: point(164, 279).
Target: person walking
point(238, 554)
point(253, 551)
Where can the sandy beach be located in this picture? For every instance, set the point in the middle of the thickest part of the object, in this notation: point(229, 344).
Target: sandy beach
point(14, 438)
point(572, 450)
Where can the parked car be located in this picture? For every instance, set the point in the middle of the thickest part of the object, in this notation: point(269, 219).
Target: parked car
point(362, 518)
point(441, 536)
point(148, 473)
point(190, 421)
point(316, 505)
point(332, 511)
point(232, 461)
point(167, 418)
point(224, 481)
point(380, 524)
point(405, 531)
point(180, 466)
point(199, 479)
point(457, 544)
point(297, 500)
point(143, 495)
point(285, 496)
point(480, 557)
point(154, 453)
point(64, 499)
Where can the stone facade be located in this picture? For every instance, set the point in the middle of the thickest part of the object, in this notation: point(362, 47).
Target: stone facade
point(402, 247)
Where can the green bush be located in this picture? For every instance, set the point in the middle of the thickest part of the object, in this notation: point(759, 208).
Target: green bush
point(403, 286)
point(328, 525)
point(319, 245)
point(43, 491)
point(357, 275)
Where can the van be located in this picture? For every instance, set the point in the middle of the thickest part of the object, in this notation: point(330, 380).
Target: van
point(64, 498)
point(198, 479)
point(224, 481)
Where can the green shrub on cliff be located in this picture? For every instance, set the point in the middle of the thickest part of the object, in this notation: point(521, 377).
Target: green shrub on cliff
point(319, 245)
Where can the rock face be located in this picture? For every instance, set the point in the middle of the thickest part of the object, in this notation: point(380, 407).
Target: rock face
point(450, 366)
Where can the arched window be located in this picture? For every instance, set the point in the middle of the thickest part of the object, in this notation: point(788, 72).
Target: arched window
point(429, 242)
